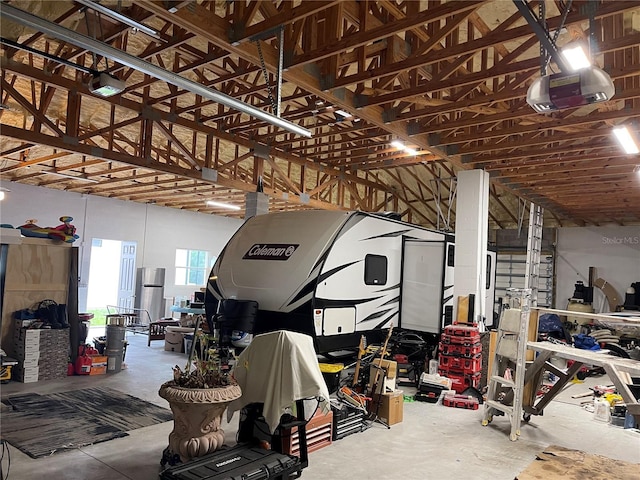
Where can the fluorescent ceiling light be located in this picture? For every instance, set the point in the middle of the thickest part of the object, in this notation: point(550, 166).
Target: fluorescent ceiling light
point(410, 151)
point(1, 195)
point(399, 145)
point(343, 113)
point(73, 177)
point(575, 55)
point(211, 203)
point(626, 140)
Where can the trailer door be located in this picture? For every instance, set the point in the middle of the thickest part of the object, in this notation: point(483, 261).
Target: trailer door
point(422, 285)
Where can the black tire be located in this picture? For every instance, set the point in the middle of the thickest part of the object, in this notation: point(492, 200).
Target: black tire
point(616, 350)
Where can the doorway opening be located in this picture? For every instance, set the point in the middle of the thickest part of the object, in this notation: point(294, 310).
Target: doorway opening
point(112, 276)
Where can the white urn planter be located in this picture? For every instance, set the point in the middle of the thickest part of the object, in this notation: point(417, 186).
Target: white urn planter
point(197, 415)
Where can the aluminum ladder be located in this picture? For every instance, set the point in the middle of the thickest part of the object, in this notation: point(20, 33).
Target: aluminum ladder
point(534, 248)
point(506, 379)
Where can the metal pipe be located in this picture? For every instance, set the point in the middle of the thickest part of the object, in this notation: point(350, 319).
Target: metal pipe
point(120, 17)
point(54, 30)
point(64, 61)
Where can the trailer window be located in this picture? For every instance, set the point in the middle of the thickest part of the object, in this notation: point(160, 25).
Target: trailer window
point(375, 270)
point(488, 283)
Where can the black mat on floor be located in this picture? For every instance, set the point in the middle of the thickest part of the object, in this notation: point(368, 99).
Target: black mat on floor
point(41, 425)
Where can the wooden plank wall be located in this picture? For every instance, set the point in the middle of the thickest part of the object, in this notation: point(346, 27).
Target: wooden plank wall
point(37, 269)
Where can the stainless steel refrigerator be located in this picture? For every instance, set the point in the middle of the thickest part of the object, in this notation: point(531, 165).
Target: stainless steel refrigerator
point(150, 294)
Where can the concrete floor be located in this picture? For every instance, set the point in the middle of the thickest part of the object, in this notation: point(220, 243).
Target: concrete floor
point(432, 442)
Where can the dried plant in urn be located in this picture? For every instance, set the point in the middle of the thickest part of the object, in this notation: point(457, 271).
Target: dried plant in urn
point(207, 368)
point(198, 396)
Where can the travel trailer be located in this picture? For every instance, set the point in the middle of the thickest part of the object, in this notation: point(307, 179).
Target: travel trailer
point(336, 275)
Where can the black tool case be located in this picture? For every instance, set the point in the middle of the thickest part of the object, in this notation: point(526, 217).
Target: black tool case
point(346, 420)
point(237, 463)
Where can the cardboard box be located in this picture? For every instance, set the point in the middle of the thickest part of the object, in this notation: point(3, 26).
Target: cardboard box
point(98, 365)
point(28, 337)
point(391, 407)
point(30, 362)
point(389, 385)
point(98, 370)
point(174, 342)
point(27, 375)
point(389, 365)
point(24, 353)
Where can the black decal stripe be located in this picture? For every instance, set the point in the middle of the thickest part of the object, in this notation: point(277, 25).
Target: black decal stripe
point(446, 299)
point(351, 222)
point(393, 300)
point(321, 260)
point(213, 286)
point(375, 315)
point(385, 321)
point(327, 274)
point(393, 287)
point(325, 303)
point(388, 235)
point(447, 287)
point(306, 290)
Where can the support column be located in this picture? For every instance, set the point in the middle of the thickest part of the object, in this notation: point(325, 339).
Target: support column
point(256, 203)
point(472, 224)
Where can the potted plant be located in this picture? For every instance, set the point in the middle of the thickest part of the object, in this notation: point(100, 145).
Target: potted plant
point(198, 397)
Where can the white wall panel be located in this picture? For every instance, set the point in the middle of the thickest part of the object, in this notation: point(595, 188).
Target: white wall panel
point(158, 231)
point(614, 251)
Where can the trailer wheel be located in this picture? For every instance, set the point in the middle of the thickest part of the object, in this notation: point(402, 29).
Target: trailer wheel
point(526, 417)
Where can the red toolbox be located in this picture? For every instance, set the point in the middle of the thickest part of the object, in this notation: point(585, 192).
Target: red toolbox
point(468, 351)
point(460, 339)
point(319, 431)
point(460, 381)
point(461, 401)
point(466, 365)
point(461, 330)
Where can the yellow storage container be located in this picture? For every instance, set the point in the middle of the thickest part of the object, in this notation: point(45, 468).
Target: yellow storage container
point(331, 373)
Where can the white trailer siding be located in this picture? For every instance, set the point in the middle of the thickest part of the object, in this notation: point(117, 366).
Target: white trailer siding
point(331, 274)
point(274, 282)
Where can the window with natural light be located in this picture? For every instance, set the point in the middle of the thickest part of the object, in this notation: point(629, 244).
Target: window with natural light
point(191, 267)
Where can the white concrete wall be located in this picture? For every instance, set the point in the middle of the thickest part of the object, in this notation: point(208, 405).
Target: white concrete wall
point(158, 231)
point(614, 251)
